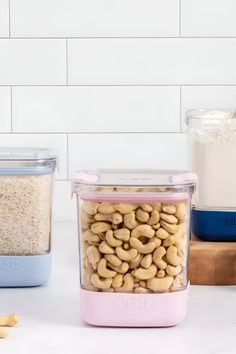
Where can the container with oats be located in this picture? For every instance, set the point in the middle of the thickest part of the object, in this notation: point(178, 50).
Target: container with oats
point(26, 177)
point(133, 236)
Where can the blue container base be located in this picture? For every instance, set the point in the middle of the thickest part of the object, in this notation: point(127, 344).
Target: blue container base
point(214, 225)
point(21, 271)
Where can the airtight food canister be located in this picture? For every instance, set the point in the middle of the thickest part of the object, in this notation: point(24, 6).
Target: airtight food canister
point(26, 178)
point(133, 237)
point(212, 137)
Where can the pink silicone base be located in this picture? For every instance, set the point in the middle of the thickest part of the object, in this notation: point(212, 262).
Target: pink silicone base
point(133, 310)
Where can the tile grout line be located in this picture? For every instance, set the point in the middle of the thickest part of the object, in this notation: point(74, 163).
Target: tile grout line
point(11, 107)
point(180, 107)
point(180, 18)
point(66, 61)
point(120, 85)
point(9, 18)
point(133, 38)
point(67, 154)
point(91, 133)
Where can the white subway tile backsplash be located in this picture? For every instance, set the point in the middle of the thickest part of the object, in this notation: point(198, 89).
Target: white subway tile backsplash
point(194, 97)
point(152, 61)
point(208, 18)
point(92, 18)
point(52, 141)
point(4, 18)
point(156, 151)
point(5, 109)
point(32, 61)
point(64, 207)
point(96, 109)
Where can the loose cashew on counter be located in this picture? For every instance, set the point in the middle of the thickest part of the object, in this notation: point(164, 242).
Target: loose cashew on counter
point(7, 321)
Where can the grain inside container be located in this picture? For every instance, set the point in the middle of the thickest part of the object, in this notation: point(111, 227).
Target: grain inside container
point(26, 177)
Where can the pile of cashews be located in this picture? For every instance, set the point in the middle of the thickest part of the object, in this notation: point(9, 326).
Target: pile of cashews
point(139, 248)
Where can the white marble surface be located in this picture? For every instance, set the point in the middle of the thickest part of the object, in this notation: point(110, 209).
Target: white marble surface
point(50, 320)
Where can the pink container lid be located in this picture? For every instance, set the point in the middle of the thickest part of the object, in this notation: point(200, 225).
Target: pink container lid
point(89, 185)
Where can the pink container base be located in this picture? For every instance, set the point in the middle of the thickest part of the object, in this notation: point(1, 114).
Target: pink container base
point(133, 310)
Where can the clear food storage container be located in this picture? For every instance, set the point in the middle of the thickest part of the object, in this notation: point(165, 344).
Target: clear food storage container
point(26, 177)
point(212, 136)
point(133, 236)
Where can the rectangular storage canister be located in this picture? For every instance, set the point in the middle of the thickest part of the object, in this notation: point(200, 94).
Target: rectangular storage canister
point(133, 236)
point(212, 136)
point(26, 177)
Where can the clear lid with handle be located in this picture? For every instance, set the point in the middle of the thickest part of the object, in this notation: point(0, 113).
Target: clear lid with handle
point(133, 184)
point(21, 160)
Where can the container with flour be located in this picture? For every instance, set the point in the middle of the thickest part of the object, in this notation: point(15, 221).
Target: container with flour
point(212, 134)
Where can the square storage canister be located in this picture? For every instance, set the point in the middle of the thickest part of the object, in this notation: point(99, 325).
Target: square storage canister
point(133, 236)
point(26, 177)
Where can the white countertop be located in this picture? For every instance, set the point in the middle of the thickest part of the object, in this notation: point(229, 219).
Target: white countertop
point(50, 319)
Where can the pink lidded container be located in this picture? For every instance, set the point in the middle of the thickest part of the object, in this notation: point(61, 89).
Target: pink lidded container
point(133, 241)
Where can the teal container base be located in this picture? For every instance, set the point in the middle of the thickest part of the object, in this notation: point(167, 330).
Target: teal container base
point(20, 271)
point(210, 225)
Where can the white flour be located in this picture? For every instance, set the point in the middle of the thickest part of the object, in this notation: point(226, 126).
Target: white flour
point(214, 160)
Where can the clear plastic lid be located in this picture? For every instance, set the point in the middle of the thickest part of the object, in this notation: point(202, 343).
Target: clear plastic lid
point(211, 116)
point(17, 160)
point(127, 184)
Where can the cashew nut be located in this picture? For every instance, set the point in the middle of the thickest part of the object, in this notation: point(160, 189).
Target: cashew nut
point(144, 274)
point(103, 271)
point(141, 290)
point(172, 270)
point(113, 259)
point(112, 240)
point(177, 283)
point(143, 283)
point(130, 220)
point(156, 240)
point(162, 233)
point(126, 246)
point(145, 249)
point(172, 257)
point(123, 268)
point(146, 207)
point(169, 209)
point(171, 219)
point(161, 273)
point(127, 284)
point(116, 218)
point(171, 228)
point(126, 255)
point(3, 332)
point(89, 236)
point(124, 208)
point(117, 281)
point(143, 230)
point(99, 227)
point(106, 208)
point(105, 248)
point(100, 283)
point(9, 321)
point(142, 215)
point(90, 207)
point(160, 284)
point(122, 234)
point(182, 210)
point(154, 218)
point(94, 256)
point(156, 206)
point(136, 261)
point(157, 257)
point(169, 241)
point(157, 226)
point(146, 261)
